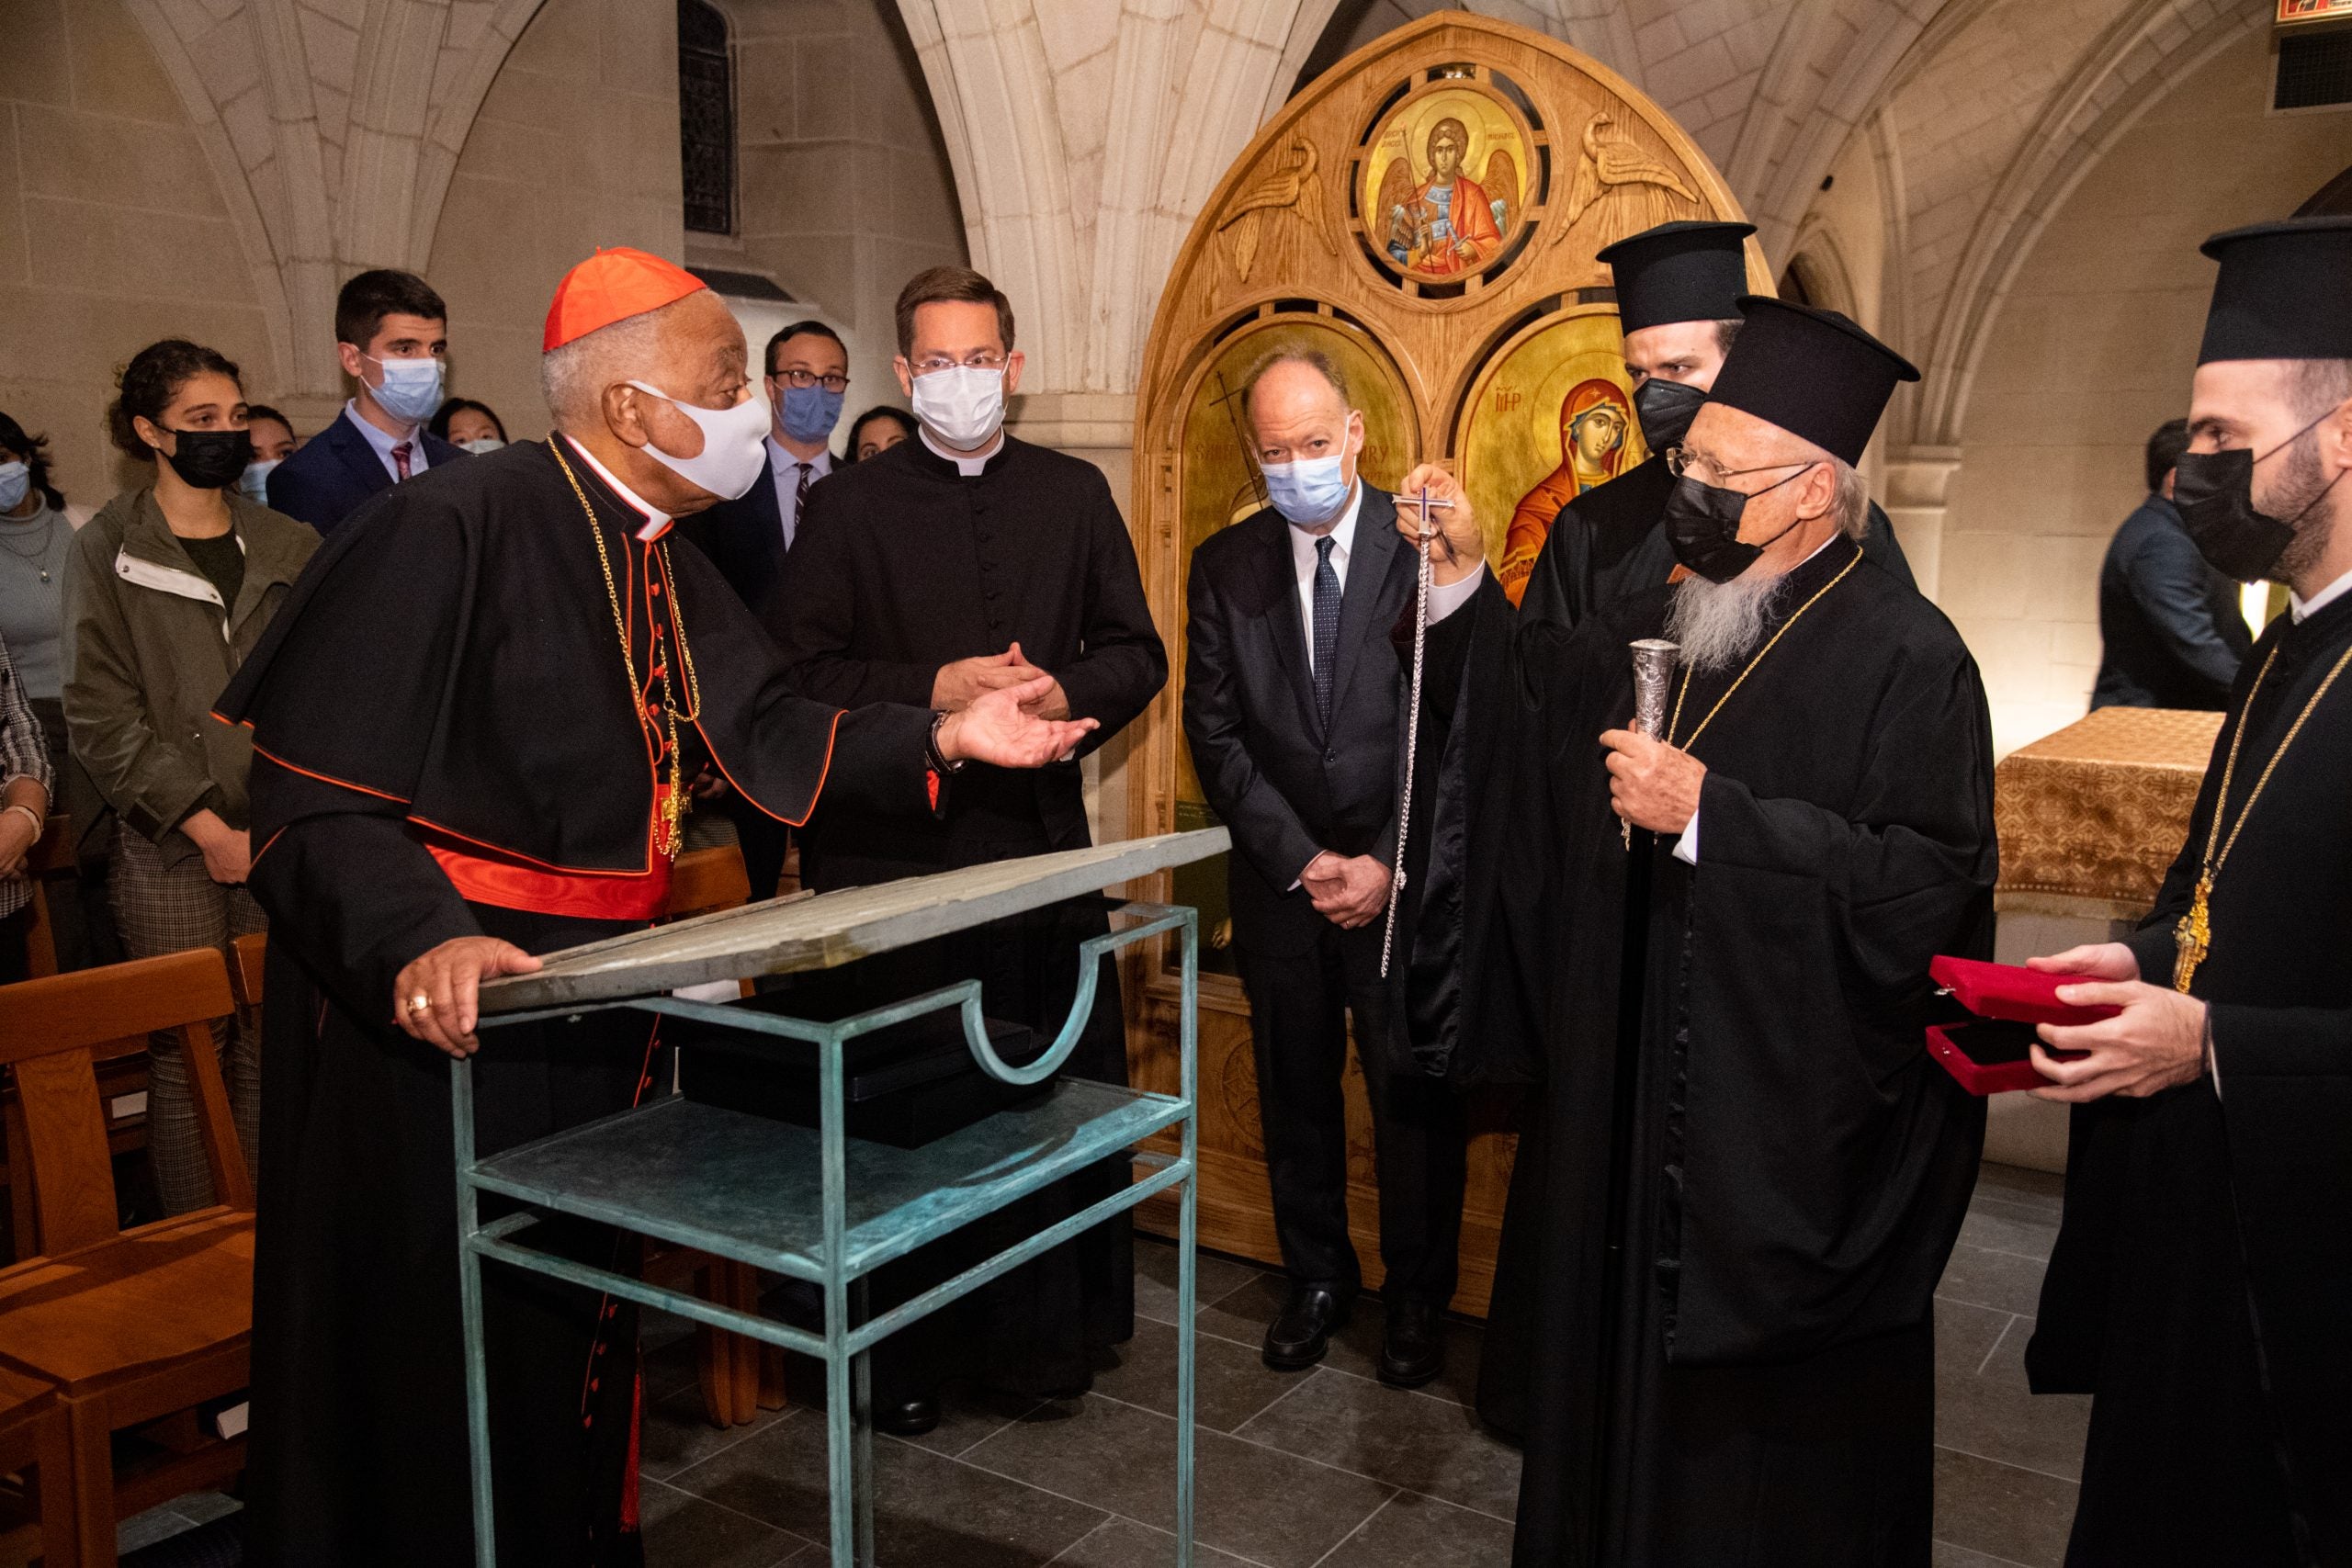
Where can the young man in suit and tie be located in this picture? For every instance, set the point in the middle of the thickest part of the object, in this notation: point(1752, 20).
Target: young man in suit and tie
point(747, 538)
point(1292, 707)
point(392, 334)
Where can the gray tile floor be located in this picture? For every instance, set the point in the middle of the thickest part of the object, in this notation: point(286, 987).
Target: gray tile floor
point(1326, 1469)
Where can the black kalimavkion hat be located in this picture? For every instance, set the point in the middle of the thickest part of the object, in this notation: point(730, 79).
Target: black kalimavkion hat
point(1814, 373)
point(2284, 292)
point(1679, 272)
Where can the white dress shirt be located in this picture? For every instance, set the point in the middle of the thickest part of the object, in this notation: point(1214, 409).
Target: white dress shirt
point(384, 444)
point(784, 469)
point(2304, 609)
point(1342, 534)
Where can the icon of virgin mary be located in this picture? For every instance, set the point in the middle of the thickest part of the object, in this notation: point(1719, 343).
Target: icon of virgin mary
point(1594, 420)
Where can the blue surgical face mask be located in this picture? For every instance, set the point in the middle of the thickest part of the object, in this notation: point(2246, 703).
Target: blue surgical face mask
point(16, 478)
point(1309, 492)
point(808, 413)
point(411, 388)
point(255, 481)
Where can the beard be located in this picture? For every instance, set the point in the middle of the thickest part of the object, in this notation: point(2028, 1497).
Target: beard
point(1718, 623)
point(2303, 494)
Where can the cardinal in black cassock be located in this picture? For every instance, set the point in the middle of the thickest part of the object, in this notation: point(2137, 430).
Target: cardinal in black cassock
point(1678, 287)
point(2200, 1289)
point(1729, 1015)
point(472, 721)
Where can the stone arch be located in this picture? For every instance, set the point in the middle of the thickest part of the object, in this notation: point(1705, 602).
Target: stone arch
point(2134, 63)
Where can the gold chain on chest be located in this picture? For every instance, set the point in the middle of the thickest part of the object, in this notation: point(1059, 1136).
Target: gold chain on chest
point(1676, 722)
point(674, 805)
point(2193, 937)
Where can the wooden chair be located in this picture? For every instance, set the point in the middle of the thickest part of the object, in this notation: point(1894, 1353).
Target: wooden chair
point(246, 956)
point(137, 1328)
point(49, 860)
point(739, 1376)
point(33, 1437)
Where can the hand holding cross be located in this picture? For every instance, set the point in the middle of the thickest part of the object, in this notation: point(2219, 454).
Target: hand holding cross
point(1434, 510)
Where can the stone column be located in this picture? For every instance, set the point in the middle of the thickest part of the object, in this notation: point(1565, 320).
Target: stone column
point(1918, 485)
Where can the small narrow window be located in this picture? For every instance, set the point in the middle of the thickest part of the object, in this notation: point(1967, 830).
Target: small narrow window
point(707, 117)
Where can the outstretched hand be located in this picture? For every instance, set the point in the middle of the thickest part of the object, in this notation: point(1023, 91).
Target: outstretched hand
point(999, 726)
point(447, 980)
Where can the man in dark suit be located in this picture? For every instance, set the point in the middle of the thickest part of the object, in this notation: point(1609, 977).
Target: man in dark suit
point(1291, 705)
point(747, 538)
point(392, 333)
point(2170, 633)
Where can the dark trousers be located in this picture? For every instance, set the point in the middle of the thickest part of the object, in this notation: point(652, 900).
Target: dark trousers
point(1298, 1015)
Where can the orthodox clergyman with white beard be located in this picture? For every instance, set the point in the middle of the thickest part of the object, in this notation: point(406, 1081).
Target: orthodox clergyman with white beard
point(1728, 1007)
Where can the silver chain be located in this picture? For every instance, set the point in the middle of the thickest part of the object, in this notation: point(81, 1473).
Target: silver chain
point(1412, 735)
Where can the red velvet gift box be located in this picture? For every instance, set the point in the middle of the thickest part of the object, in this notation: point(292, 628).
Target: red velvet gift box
point(1990, 1052)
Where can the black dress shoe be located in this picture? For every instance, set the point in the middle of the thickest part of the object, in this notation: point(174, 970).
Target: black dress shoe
point(1302, 1331)
point(1414, 1351)
point(911, 1419)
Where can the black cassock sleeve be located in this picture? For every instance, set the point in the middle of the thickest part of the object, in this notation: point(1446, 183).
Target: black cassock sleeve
point(1122, 663)
point(1484, 898)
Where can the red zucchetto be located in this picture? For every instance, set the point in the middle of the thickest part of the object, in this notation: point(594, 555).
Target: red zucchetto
point(612, 286)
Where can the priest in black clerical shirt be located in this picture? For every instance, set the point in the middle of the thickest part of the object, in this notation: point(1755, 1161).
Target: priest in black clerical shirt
point(959, 563)
point(2200, 1289)
point(1755, 1171)
point(473, 721)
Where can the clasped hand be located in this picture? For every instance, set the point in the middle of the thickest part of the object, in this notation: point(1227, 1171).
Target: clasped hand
point(1457, 545)
point(1347, 890)
point(2156, 1043)
point(964, 683)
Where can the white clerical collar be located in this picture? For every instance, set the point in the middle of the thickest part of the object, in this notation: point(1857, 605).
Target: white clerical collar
point(781, 460)
point(1341, 533)
point(970, 468)
point(2303, 609)
point(657, 522)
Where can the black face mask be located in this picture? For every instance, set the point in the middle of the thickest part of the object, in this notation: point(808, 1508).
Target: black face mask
point(1665, 409)
point(1703, 527)
point(210, 459)
point(2215, 493)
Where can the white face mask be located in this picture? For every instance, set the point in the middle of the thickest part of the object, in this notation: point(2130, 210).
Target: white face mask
point(486, 443)
point(963, 407)
point(734, 452)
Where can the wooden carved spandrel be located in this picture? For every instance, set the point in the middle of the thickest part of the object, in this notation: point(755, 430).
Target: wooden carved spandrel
point(1502, 355)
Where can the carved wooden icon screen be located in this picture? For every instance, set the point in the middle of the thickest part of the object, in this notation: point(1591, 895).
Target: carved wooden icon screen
point(1427, 214)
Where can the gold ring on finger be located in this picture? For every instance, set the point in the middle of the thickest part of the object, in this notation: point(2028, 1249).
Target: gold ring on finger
point(420, 1003)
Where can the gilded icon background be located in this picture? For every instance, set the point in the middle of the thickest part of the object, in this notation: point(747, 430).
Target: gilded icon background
point(1446, 184)
point(1551, 416)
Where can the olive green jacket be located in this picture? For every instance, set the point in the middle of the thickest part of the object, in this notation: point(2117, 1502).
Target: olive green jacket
point(148, 646)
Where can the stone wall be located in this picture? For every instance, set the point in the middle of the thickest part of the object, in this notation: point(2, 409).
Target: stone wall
point(112, 232)
point(843, 185)
point(2091, 350)
point(576, 146)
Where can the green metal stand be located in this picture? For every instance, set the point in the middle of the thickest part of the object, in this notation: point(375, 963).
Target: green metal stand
point(818, 1206)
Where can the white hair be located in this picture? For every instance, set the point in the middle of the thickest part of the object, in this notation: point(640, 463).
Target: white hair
point(1852, 507)
point(573, 376)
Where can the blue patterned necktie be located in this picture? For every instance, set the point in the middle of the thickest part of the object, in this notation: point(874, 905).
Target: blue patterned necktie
point(1326, 627)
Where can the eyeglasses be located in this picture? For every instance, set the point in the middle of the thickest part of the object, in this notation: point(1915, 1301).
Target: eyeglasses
point(979, 359)
point(1685, 464)
point(804, 379)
